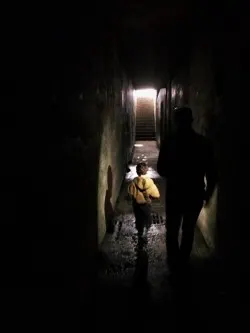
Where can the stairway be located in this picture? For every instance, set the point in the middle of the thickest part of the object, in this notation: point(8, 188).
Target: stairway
point(145, 123)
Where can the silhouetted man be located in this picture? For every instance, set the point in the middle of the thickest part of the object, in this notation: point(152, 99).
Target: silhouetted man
point(185, 160)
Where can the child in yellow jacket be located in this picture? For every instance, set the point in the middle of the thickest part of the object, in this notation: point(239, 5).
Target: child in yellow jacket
point(142, 190)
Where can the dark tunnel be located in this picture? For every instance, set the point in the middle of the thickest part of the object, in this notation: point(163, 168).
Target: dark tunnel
point(72, 132)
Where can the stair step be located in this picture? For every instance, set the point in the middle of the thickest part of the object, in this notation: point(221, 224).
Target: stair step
point(143, 116)
point(145, 123)
point(141, 123)
point(144, 119)
point(145, 131)
point(145, 134)
point(144, 111)
point(145, 128)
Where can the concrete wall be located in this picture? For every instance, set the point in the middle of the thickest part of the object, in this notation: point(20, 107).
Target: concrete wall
point(175, 94)
point(179, 89)
point(204, 102)
point(232, 140)
point(128, 105)
point(83, 131)
point(116, 145)
point(160, 123)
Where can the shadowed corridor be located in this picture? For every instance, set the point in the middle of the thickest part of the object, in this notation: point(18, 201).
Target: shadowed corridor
point(72, 131)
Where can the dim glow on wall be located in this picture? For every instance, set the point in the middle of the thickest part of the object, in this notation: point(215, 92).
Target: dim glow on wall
point(146, 93)
point(173, 92)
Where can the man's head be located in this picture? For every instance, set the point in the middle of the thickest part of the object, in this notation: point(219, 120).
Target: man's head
point(142, 168)
point(183, 118)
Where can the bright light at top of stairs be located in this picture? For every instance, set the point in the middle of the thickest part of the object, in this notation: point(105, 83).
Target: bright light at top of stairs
point(148, 93)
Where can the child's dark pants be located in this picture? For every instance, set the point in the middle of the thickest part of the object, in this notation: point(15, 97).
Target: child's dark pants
point(142, 216)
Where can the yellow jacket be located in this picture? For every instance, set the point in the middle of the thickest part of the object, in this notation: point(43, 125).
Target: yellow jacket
point(142, 188)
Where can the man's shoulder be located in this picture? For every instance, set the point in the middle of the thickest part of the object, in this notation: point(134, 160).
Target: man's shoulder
point(204, 143)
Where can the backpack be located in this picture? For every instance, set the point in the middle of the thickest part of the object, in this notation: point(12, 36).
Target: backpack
point(141, 196)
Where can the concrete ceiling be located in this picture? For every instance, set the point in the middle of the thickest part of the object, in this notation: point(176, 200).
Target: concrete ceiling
point(146, 31)
point(153, 15)
point(157, 34)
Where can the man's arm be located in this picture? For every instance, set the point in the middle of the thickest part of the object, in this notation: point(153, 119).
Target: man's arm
point(211, 171)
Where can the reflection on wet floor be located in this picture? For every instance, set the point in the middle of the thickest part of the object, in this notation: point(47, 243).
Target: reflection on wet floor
point(134, 275)
point(152, 173)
